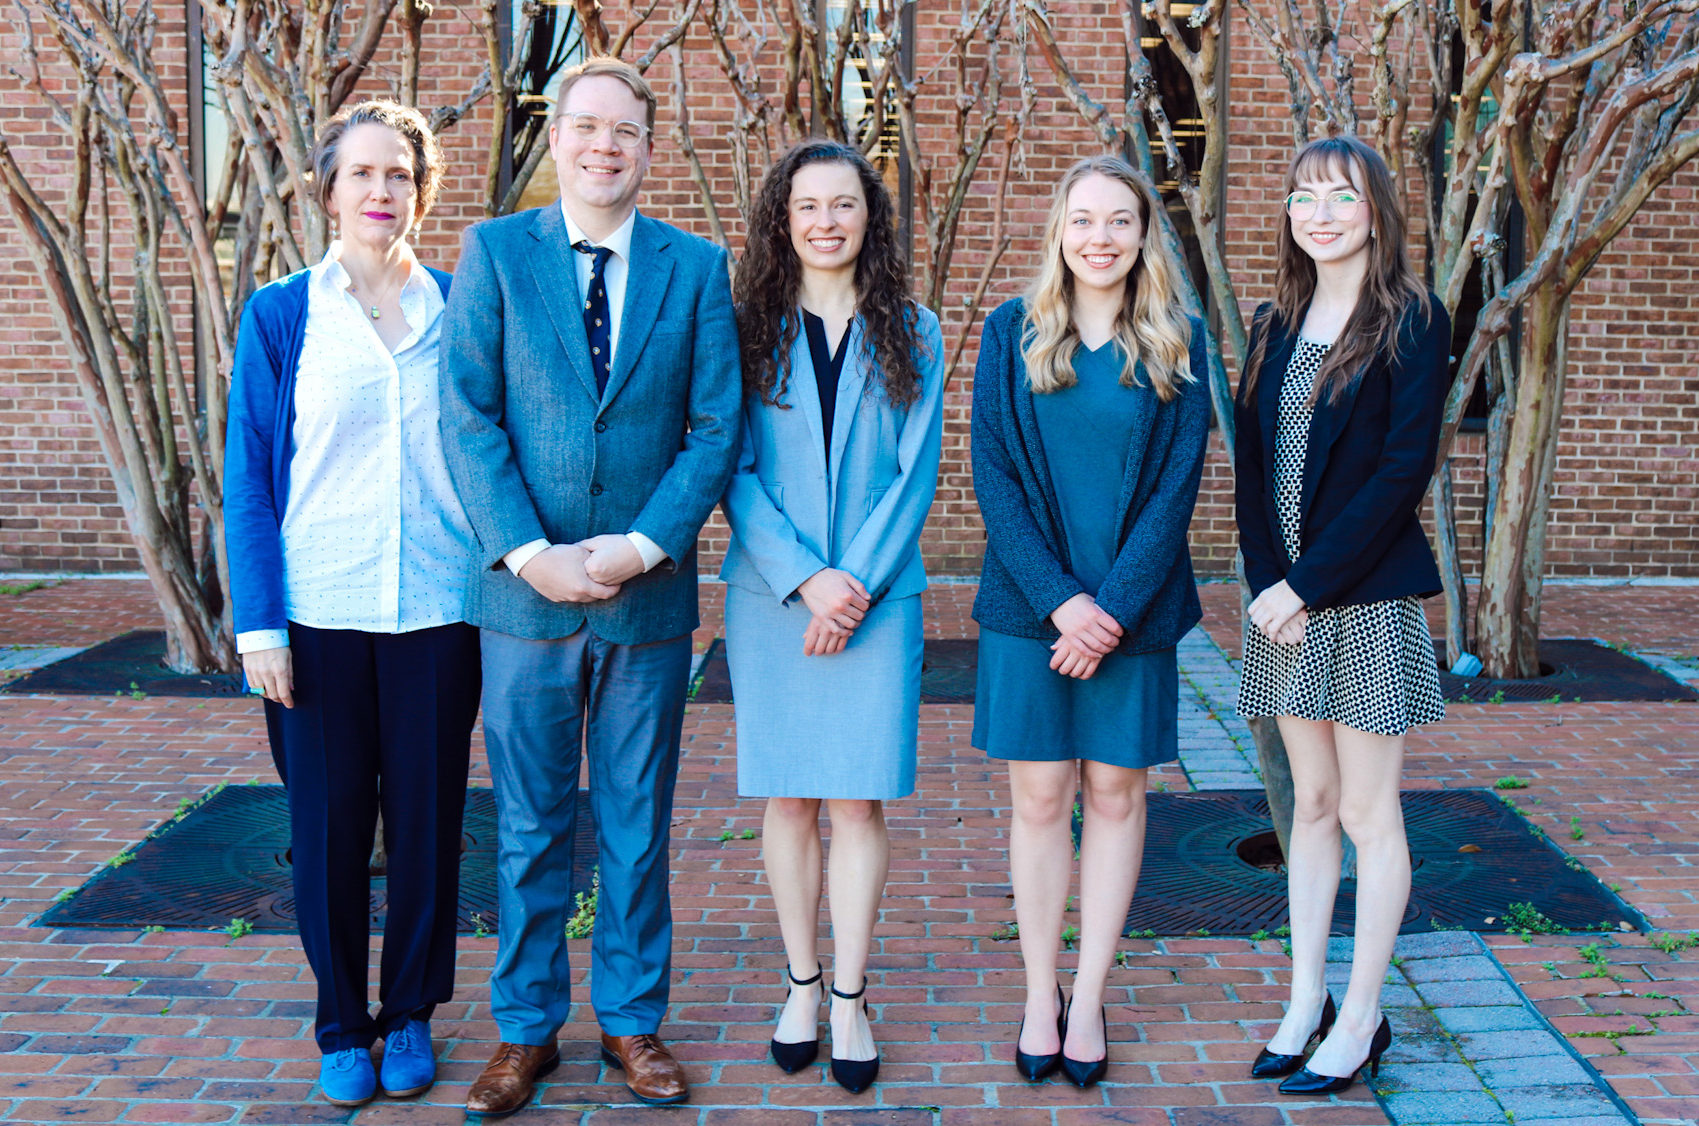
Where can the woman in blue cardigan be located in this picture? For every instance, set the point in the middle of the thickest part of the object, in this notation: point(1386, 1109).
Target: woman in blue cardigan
point(843, 421)
point(1338, 420)
point(349, 556)
point(1090, 412)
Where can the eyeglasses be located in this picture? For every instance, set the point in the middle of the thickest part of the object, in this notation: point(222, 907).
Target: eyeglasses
point(589, 126)
point(1341, 204)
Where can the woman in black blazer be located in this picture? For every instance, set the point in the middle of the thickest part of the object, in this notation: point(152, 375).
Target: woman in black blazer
point(1338, 422)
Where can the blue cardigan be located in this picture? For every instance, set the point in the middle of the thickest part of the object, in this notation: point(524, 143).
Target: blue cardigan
point(1149, 589)
point(259, 443)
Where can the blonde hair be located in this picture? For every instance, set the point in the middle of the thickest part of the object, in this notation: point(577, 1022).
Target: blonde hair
point(600, 65)
point(1152, 327)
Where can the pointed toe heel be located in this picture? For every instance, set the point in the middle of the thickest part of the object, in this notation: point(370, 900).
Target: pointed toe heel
point(854, 1076)
point(1038, 1068)
point(1086, 1073)
point(793, 1057)
point(1273, 1065)
point(1307, 1082)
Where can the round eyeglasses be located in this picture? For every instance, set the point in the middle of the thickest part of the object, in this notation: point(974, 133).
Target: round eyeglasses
point(1341, 204)
point(589, 126)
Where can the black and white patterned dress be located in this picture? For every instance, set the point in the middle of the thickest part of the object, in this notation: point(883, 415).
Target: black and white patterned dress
point(1369, 666)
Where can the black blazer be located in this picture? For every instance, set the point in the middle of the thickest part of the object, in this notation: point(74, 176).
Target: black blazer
point(1370, 457)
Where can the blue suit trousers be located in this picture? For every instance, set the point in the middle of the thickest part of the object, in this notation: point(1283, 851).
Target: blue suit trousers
point(548, 705)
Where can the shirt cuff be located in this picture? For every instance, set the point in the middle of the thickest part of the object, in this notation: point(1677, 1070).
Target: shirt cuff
point(651, 551)
point(523, 554)
point(256, 639)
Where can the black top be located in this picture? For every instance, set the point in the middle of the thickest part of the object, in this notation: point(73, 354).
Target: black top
point(1370, 456)
point(827, 365)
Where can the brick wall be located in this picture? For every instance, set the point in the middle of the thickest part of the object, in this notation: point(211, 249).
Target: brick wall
point(1628, 474)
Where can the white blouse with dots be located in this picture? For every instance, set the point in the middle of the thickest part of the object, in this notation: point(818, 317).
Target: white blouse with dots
point(374, 535)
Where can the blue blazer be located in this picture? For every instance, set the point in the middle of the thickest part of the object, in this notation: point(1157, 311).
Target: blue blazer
point(259, 443)
point(537, 453)
point(1149, 589)
point(794, 511)
point(1370, 456)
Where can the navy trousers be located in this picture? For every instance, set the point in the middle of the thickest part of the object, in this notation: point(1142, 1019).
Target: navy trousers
point(547, 706)
point(381, 721)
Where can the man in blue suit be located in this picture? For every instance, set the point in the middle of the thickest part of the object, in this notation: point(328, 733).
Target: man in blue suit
point(591, 422)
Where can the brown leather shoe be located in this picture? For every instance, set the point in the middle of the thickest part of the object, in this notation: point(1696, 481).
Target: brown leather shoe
point(510, 1078)
point(651, 1072)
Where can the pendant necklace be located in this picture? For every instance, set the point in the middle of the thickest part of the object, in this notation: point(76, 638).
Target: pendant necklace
point(377, 314)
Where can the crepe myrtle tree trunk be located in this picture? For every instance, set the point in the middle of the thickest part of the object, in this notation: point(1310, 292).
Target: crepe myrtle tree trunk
point(1507, 614)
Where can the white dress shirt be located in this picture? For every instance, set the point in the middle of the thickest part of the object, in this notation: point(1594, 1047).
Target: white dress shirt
point(614, 276)
point(374, 535)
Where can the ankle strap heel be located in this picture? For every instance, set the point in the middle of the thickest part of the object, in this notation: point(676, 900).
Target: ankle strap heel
point(790, 1057)
point(854, 1076)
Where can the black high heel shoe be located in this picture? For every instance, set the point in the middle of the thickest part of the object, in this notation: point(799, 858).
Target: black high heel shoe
point(792, 1058)
point(1272, 1065)
point(1035, 1069)
point(1086, 1073)
point(854, 1076)
point(1307, 1082)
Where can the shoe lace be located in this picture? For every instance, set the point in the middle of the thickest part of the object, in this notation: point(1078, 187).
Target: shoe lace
point(404, 1039)
point(509, 1054)
point(345, 1060)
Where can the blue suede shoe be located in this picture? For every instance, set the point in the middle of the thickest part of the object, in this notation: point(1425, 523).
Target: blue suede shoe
point(408, 1065)
point(346, 1077)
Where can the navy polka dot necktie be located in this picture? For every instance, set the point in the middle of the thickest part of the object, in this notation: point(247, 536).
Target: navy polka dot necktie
point(598, 322)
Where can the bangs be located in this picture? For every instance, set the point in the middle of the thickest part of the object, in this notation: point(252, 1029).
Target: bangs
point(1326, 161)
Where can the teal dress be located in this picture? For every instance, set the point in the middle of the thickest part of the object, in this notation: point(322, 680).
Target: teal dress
point(1126, 713)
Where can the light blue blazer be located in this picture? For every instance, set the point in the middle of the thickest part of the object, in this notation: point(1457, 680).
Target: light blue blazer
point(794, 511)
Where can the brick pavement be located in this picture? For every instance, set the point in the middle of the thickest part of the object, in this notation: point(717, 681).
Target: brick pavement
point(190, 1027)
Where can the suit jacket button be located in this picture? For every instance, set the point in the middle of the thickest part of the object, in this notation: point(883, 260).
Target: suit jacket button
point(595, 490)
point(600, 426)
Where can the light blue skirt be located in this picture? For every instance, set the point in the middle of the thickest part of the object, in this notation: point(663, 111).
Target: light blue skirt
point(1127, 714)
point(844, 726)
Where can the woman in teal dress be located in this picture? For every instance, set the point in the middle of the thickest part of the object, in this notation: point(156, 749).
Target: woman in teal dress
point(843, 424)
point(1090, 412)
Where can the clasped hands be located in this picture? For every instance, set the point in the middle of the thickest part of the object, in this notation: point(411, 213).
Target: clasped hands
point(1279, 614)
point(1088, 634)
point(587, 571)
point(839, 602)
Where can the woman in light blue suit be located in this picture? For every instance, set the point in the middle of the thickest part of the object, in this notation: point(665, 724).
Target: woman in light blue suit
point(843, 398)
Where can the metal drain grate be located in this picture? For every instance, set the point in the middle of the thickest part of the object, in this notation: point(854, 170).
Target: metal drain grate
point(1579, 670)
point(1473, 858)
point(131, 663)
point(228, 858)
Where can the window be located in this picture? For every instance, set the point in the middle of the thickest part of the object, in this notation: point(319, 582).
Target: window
point(1180, 104)
point(556, 42)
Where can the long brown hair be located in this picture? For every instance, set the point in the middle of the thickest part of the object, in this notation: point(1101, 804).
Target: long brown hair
point(1390, 287)
point(1152, 326)
point(769, 278)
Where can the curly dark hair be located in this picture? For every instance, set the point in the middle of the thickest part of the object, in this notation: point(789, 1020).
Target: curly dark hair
point(769, 277)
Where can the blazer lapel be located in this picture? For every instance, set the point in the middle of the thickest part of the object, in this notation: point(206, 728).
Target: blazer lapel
point(646, 279)
point(1269, 378)
point(556, 274)
point(852, 381)
point(800, 389)
point(1326, 424)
